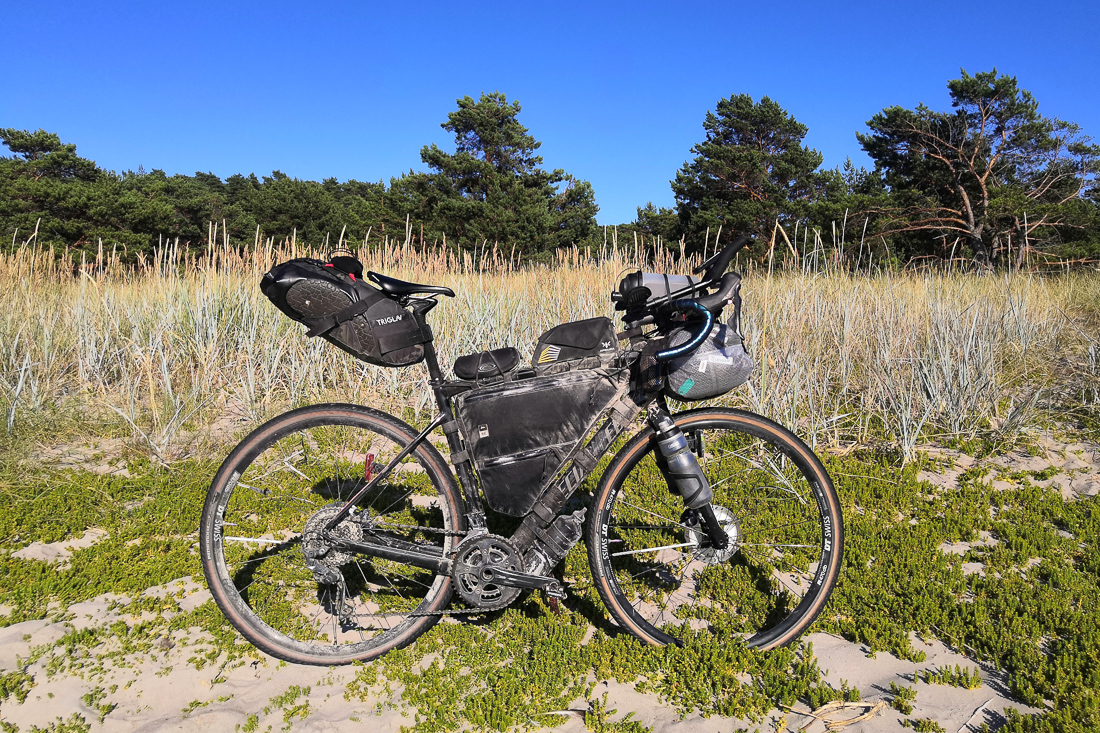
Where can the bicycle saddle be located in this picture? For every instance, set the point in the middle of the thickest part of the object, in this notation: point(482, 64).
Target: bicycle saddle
point(393, 286)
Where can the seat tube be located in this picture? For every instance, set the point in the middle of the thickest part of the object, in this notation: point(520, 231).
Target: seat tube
point(475, 512)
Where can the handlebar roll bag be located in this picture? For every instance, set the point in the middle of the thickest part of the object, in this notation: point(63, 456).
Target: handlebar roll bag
point(718, 365)
point(345, 311)
point(519, 433)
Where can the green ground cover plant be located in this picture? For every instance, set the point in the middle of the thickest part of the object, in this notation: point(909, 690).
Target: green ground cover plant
point(870, 385)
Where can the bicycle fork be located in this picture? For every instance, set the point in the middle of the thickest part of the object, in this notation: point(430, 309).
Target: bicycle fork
point(684, 475)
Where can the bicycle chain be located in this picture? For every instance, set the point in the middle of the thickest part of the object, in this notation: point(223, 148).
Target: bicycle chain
point(449, 533)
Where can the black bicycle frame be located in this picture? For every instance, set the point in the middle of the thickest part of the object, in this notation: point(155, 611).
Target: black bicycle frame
point(535, 523)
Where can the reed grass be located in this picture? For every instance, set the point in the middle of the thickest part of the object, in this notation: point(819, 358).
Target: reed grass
point(887, 358)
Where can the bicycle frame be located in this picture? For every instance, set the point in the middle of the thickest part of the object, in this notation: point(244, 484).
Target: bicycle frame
point(546, 509)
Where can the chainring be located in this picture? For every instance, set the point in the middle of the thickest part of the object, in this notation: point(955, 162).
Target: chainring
point(475, 560)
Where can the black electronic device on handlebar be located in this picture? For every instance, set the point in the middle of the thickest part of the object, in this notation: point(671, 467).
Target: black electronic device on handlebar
point(643, 307)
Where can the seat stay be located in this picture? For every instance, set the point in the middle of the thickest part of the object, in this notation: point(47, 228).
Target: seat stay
point(393, 286)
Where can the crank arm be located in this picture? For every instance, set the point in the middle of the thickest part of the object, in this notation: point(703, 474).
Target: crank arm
point(524, 580)
point(417, 557)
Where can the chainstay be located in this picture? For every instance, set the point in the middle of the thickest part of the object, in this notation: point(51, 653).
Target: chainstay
point(415, 527)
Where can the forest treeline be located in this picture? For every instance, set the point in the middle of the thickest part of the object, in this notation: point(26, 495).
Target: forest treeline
point(990, 180)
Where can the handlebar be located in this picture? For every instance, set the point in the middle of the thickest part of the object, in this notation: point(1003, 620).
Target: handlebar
point(697, 338)
point(719, 261)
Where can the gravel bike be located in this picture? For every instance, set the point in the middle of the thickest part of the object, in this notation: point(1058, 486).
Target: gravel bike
point(337, 532)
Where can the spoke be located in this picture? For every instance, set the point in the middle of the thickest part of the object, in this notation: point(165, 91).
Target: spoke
point(256, 540)
point(765, 544)
point(295, 470)
point(270, 471)
point(781, 526)
point(653, 549)
point(399, 500)
point(646, 572)
point(643, 526)
point(654, 514)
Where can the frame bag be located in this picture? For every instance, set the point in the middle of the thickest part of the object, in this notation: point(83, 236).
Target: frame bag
point(332, 299)
point(519, 433)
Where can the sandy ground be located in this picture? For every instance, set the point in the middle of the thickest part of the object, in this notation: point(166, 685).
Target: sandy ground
point(160, 690)
point(163, 692)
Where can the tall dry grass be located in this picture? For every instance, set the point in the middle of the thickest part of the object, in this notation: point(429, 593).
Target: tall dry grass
point(890, 358)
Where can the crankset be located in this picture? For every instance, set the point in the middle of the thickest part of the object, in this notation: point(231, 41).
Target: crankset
point(488, 572)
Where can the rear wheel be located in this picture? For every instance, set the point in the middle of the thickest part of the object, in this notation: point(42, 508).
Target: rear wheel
point(656, 569)
point(284, 586)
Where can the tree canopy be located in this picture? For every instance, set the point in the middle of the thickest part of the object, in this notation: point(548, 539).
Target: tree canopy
point(991, 171)
point(492, 189)
point(750, 172)
point(985, 178)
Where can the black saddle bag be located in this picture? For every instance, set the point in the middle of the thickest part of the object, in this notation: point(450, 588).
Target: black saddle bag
point(332, 299)
point(520, 432)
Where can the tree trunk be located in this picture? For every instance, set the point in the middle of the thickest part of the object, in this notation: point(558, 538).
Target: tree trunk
point(1021, 244)
point(980, 248)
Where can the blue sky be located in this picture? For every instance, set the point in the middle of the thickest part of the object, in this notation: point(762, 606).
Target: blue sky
point(616, 92)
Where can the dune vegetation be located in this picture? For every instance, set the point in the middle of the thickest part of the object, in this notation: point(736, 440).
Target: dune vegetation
point(955, 411)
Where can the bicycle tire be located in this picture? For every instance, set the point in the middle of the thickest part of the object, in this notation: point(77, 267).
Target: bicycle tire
point(253, 536)
point(662, 584)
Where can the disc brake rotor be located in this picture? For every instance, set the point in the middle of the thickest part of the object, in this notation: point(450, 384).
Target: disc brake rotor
point(700, 545)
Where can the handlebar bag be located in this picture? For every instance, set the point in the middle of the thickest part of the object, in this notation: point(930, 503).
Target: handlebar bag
point(718, 365)
point(576, 340)
point(520, 432)
point(332, 299)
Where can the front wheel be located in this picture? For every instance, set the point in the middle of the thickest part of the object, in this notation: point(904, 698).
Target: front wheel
point(654, 567)
point(290, 590)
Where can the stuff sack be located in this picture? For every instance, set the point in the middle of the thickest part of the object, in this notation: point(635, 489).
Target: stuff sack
point(577, 340)
point(718, 365)
point(520, 432)
point(332, 299)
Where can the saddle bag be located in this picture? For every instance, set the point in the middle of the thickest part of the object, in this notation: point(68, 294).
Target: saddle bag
point(592, 337)
point(520, 432)
point(332, 299)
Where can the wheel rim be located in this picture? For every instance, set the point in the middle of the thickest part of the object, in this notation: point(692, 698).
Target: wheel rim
point(295, 475)
point(770, 587)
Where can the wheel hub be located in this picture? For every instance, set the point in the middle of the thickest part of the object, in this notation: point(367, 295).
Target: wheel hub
point(475, 566)
point(701, 547)
point(323, 560)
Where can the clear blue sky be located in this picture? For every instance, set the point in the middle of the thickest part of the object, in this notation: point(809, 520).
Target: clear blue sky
point(616, 92)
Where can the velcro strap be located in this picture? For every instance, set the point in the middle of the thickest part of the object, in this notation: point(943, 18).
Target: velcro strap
point(545, 515)
point(450, 428)
point(585, 463)
point(321, 326)
point(461, 457)
point(623, 412)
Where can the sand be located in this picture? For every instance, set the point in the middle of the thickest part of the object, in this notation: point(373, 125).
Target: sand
point(161, 691)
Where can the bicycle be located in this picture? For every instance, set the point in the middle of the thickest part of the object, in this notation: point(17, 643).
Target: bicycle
point(336, 532)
